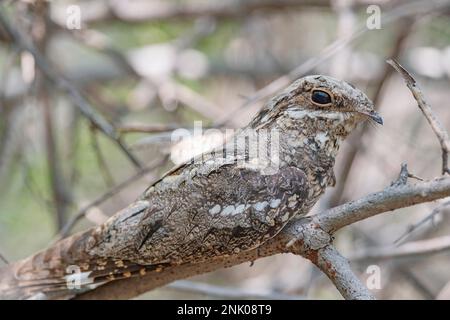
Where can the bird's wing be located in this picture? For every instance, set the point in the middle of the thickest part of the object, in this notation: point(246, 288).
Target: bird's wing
point(222, 211)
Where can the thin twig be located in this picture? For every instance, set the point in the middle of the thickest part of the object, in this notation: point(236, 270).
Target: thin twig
point(32, 186)
point(96, 40)
point(402, 176)
point(146, 128)
point(438, 129)
point(420, 285)
point(73, 93)
point(71, 223)
point(72, 147)
point(60, 193)
point(337, 196)
point(429, 217)
point(11, 124)
point(401, 269)
point(101, 161)
point(152, 128)
point(190, 98)
point(2, 257)
point(407, 250)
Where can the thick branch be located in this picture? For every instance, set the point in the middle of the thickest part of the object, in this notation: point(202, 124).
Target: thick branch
point(337, 269)
point(313, 239)
point(310, 238)
point(391, 198)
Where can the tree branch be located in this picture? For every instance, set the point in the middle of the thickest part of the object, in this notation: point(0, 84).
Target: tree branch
point(337, 269)
point(407, 250)
point(430, 217)
point(312, 240)
point(438, 129)
point(388, 199)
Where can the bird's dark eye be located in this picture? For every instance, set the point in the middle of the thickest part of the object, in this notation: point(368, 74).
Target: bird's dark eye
point(321, 97)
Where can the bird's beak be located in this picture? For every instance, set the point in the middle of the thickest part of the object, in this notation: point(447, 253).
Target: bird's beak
point(374, 116)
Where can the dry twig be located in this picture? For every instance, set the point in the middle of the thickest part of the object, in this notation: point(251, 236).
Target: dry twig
point(101, 160)
point(407, 250)
point(429, 217)
point(438, 129)
point(78, 216)
point(3, 259)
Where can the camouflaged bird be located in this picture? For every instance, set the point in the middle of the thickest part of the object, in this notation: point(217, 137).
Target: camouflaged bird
point(221, 203)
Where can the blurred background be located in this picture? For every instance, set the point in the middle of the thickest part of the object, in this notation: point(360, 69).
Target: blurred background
point(90, 92)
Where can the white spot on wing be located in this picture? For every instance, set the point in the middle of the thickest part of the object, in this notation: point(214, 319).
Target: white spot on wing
point(297, 114)
point(79, 279)
point(239, 209)
point(215, 209)
point(259, 206)
point(274, 203)
point(227, 211)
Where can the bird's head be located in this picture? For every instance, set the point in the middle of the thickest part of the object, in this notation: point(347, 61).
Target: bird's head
point(322, 98)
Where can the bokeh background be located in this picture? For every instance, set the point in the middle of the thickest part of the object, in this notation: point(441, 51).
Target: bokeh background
point(149, 67)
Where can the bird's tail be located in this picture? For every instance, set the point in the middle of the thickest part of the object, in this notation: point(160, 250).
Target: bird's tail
point(62, 271)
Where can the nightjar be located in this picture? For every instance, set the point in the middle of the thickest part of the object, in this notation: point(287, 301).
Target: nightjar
point(220, 203)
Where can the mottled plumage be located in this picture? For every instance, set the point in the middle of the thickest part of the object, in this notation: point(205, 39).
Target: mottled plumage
point(219, 204)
